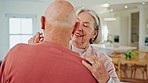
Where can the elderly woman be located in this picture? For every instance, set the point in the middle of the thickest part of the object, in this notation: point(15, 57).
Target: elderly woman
point(87, 33)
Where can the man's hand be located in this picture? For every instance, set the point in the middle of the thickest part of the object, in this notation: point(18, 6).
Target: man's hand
point(97, 69)
point(37, 38)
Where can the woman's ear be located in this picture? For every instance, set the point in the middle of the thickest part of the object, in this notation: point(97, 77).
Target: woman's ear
point(95, 34)
point(43, 22)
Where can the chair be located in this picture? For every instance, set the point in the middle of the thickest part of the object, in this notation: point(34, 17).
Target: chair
point(123, 66)
point(142, 68)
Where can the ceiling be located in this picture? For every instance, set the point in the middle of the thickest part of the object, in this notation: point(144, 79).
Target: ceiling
point(115, 5)
point(89, 2)
point(121, 7)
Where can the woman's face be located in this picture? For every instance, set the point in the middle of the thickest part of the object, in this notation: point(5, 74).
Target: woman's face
point(85, 31)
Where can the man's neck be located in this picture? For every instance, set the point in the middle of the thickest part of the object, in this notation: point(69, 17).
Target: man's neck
point(58, 37)
point(58, 42)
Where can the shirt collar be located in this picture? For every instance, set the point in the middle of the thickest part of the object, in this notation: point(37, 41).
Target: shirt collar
point(82, 52)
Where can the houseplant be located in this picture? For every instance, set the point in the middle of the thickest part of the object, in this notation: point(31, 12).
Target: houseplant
point(130, 54)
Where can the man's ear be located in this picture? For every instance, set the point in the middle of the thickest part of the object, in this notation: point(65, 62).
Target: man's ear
point(76, 26)
point(43, 22)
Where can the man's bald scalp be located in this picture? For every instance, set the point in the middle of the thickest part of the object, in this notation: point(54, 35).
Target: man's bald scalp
point(60, 11)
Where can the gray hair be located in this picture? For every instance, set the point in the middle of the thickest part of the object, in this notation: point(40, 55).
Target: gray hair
point(97, 26)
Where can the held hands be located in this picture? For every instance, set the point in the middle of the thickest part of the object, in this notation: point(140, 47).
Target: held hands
point(37, 38)
point(97, 68)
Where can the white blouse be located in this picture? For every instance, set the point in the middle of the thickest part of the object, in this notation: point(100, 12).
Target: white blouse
point(106, 60)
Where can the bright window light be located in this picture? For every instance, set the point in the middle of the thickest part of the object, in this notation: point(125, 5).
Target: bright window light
point(20, 30)
point(109, 19)
point(105, 32)
point(125, 6)
point(105, 5)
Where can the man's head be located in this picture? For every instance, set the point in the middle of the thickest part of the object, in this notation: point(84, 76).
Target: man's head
point(60, 13)
point(59, 19)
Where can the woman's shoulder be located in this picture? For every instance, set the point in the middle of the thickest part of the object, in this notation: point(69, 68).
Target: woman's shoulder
point(101, 54)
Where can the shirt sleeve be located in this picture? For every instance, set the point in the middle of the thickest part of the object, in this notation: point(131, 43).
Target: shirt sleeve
point(109, 67)
point(111, 80)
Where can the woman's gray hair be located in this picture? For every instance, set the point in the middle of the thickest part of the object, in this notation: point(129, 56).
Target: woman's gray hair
point(97, 26)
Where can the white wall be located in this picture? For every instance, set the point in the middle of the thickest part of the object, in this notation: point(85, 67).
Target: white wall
point(119, 28)
point(143, 16)
point(124, 23)
point(113, 28)
point(126, 26)
point(122, 26)
point(2, 32)
point(21, 8)
point(25, 8)
point(3, 37)
point(0, 5)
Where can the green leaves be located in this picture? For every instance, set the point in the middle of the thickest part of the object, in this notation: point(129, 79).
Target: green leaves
point(130, 54)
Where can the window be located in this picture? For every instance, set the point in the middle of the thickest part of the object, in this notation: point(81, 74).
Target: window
point(20, 30)
point(104, 32)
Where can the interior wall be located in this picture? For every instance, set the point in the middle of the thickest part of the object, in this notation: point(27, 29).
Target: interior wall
point(124, 23)
point(122, 26)
point(25, 8)
point(17, 8)
point(113, 28)
point(143, 14)
point(3, 37)
point(2, 33)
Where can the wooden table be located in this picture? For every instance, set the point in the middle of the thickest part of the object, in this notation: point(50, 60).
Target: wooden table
point(118, 60)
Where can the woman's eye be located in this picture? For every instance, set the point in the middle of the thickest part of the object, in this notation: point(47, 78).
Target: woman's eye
point(86, 25)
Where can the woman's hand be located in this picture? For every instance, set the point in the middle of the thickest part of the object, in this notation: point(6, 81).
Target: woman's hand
point(37, 38)
point(97, 68)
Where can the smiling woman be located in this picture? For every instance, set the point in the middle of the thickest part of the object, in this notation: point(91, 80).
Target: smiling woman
point(89, 32)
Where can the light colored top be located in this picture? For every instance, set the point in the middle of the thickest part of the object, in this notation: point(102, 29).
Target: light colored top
point(106, 60)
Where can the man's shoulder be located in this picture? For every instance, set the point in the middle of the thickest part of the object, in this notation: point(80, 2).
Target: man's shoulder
point(18, 45)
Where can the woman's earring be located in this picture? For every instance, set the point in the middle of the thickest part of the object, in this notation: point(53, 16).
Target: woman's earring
point(92, 40)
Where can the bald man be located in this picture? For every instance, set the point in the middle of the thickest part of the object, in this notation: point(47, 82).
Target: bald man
point(50, 61)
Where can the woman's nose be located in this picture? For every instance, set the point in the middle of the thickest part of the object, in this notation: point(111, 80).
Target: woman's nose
point(80, 27)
